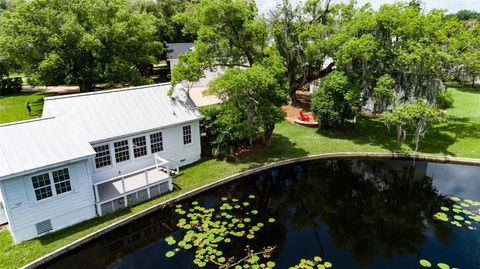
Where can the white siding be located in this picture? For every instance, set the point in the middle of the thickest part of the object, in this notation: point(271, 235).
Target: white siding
point(63, 210)
point(173, 148)
point(3, 216)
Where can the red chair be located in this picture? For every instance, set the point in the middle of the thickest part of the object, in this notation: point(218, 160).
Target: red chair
point(304, 117)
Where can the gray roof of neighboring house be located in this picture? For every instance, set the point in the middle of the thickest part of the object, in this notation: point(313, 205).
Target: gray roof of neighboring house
point(174, 49)
point(35, 144)
point(105, 115)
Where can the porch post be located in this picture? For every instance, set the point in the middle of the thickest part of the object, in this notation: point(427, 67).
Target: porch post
point(123, 185)
point(97, 196)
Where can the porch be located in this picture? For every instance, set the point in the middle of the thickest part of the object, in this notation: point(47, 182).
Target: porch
point(133, 188)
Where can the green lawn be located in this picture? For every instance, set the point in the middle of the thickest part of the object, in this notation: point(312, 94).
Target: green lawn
point(12, 108)
point(459, 137)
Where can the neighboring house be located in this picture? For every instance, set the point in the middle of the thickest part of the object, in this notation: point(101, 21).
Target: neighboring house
point(314, 85)
point(197, 89)
point(93, 153)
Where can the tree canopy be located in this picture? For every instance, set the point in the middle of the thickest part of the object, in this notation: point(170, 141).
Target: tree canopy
point(80, 42)
point(255, 95)
point(336, 100)
point(229, 32)
point(466, 15)
point(304, 36)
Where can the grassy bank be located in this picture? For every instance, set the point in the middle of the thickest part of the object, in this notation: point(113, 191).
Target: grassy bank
point(12, 108)
point(459, 137)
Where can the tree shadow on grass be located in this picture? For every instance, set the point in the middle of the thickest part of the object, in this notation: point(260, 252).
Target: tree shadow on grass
point(371, 131)
point(465, 88)
point(281, 149)
point(440, 137)
point(367, 131)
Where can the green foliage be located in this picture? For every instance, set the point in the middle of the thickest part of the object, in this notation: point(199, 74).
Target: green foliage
point(384, 92)
point(466, 15)
point(225, 131)
point(300, 33)
point(253, 95)
point(336, 100)
point(415, 117)
point(190, 68)
point(445, 100)
point(10, 86)
point(4, 68)
point(80, 42)
point(414, 48)
point(3, 5)
point(169, 30)
point(467, 56)
point(229, 33)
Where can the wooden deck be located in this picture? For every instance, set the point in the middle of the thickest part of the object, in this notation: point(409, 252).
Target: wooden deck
point(116, 188)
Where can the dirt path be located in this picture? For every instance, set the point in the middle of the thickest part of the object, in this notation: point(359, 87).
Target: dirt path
point(53, 89)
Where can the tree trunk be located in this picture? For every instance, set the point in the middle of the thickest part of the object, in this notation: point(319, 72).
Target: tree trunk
point(145, 69)
point(267, 136)
point(296, 84)
point(293, 97)
point(86, 86)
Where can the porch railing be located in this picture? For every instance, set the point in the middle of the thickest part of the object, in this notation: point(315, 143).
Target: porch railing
point(146, 190)
point(169, 165)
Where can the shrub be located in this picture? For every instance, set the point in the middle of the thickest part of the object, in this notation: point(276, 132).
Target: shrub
point(224, 132)
point(336, 100)
point(445, 100)
point(10, 86)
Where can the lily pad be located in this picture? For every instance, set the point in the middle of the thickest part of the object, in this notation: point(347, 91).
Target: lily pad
point(425, 263)
point(443, 266)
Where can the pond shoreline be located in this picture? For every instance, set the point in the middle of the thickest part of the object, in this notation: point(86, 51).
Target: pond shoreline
point(329, 156)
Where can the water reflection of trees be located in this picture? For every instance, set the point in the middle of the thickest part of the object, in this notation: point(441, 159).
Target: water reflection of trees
point(371, 209)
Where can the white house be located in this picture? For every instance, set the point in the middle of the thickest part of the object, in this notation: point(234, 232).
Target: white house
point(93, 153)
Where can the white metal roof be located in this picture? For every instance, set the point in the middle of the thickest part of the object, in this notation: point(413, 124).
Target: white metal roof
point(105, 115)
point(29, 145)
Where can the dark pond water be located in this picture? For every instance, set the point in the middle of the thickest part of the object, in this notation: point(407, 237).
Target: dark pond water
point(356, 214)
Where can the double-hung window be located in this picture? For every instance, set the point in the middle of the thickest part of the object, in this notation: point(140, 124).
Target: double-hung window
point(187, 134)
point(139, 146)
point(156, 142)
point(122, 151)
point(102, 158)
point(50, 184)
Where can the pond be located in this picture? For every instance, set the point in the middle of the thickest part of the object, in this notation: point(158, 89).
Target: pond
point(371, 214)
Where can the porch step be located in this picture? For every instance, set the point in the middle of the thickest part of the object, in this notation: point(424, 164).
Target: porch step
point(172, 173)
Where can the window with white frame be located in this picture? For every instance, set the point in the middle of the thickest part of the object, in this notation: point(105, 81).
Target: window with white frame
point(139, 146)
point(102, 158)
point(42, 184)
point(187, 134)
point(122, 151)
point(61, 179)
point(156, 142)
